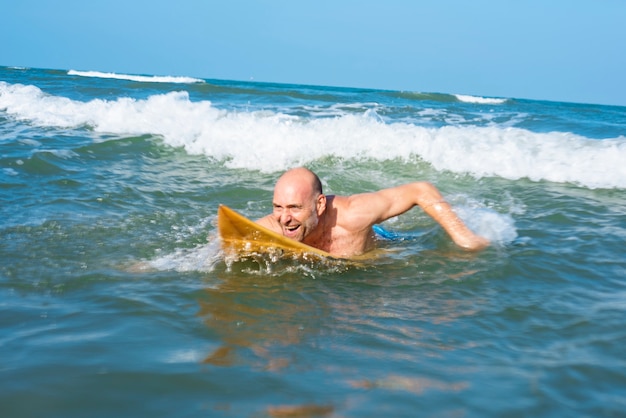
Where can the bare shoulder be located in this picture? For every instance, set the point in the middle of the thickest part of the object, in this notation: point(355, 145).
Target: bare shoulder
point(356, 212)
point(270, 223)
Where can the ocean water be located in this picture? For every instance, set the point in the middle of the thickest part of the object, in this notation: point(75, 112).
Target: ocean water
point(115, 299)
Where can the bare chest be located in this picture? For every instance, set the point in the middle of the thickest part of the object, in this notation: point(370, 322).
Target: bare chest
point(344, 243)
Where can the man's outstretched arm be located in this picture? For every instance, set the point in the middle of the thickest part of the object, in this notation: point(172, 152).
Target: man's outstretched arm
point(394, 201)
point(462, 236)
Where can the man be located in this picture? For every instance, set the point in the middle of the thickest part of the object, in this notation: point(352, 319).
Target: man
point(342, 225)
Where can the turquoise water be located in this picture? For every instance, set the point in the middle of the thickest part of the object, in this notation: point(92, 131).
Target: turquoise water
point(115, 299)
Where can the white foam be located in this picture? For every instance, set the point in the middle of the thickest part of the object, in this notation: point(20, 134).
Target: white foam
point(202, 258)
point(499, 228)
point(479, 100)
point(271, 141)
point(139, 78)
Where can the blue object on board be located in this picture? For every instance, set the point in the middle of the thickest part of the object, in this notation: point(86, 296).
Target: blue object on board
point(386, 234)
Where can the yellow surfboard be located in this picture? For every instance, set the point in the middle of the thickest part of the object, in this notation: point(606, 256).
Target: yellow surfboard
point(241, 236)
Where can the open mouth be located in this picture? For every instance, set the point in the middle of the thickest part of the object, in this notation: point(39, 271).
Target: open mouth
point(290, 230)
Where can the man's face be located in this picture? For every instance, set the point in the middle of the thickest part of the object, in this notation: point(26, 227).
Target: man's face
point(296, 210)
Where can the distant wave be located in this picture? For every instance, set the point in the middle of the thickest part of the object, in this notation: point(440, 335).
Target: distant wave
point(279, 140)
point(479, 100)
point(139, 78)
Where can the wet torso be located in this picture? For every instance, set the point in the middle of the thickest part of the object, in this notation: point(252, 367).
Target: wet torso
point(335, 237)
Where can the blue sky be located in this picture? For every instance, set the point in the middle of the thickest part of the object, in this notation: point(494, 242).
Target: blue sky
point(561, 50)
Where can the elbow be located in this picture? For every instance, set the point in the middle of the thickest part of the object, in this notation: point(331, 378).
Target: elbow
point(426, 193)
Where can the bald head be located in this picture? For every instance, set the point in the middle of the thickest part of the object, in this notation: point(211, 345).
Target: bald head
point(298, 203)
point(302, 179)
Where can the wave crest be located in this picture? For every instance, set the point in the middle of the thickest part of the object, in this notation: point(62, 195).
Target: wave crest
point(271, 141)
point(138, 78)
point(479, 100)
